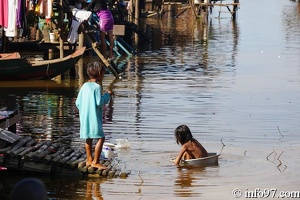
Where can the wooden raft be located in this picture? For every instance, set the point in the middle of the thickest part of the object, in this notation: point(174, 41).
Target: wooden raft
point(54, 158)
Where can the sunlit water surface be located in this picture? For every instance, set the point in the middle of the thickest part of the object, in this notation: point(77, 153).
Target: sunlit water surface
point(235, 84)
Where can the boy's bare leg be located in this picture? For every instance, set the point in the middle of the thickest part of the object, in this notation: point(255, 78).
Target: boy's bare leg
point(88, 149)
point(98, 150)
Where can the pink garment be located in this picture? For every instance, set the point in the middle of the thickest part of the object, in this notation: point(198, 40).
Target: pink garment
point(106, 20)
point(4, 13)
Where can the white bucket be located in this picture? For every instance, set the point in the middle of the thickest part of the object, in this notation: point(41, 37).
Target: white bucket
point(52, 37)
point(108, 151)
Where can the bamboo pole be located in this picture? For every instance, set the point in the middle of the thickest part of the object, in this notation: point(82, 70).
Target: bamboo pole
point(64, 154)
point(124, 174)
point(28, 150)
point(75, 163)
point(47, 159)
point(22, 141)
point(75, 157)
point(83, 167)
point(17, 151)
point(31, 154)
point(5, 149)
point(92, 169)
point(117, 173)
point(64, 160)
point(48, 150)
point(61, 23)
point(109, 167)
point(99, 171)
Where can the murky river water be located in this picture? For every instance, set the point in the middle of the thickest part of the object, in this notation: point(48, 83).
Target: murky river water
point(233, 83)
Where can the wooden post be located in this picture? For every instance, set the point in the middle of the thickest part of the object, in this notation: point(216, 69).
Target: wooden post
point(131, 10)
point(2, 39)
point(136, 20)
point(191, 2)
point(12, 106)
point(234, 9)
point(61, 24)
point(137, 10)
point(80, 62)
point(11, 102)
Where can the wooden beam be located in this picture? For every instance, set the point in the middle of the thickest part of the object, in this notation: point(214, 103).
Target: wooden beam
point(219, 4)
point(8, 136)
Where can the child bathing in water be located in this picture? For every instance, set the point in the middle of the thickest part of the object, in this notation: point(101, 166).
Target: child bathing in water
point(191, 148)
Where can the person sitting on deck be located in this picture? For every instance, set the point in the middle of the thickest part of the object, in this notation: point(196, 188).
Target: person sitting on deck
point(191, 148)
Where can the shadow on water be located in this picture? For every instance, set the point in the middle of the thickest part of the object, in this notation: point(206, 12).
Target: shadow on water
point(57, 187)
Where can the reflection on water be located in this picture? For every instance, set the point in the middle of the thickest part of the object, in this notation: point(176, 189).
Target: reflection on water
point(187, 179)
point(236, 84)
point(93, 189)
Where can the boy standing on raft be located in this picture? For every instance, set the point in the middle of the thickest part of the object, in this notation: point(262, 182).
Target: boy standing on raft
point(90, 102)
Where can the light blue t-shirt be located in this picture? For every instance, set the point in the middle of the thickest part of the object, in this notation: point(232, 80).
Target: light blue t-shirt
point(90, 103)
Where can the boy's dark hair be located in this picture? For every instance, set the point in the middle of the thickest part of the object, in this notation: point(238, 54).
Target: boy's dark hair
point(183, 134)
point(94, 69)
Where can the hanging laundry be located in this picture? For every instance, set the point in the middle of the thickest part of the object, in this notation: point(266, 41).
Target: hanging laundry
point(45, 8)
point(48, 9)
point(21, 17)
point(4, 13)
point(11, 30)
point(30, 5)
point(78, 17)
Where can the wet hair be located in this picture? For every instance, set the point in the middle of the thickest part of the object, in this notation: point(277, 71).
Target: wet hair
point(29, 188)
point(94, 69)
point(183, 134)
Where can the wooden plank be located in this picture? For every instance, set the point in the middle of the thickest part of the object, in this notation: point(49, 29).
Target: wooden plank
point(3, 144)
point(172, 3)
point(220, 4)
point(119, 30)
point(8, 136)
point(37, 167)
point(9, 121)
